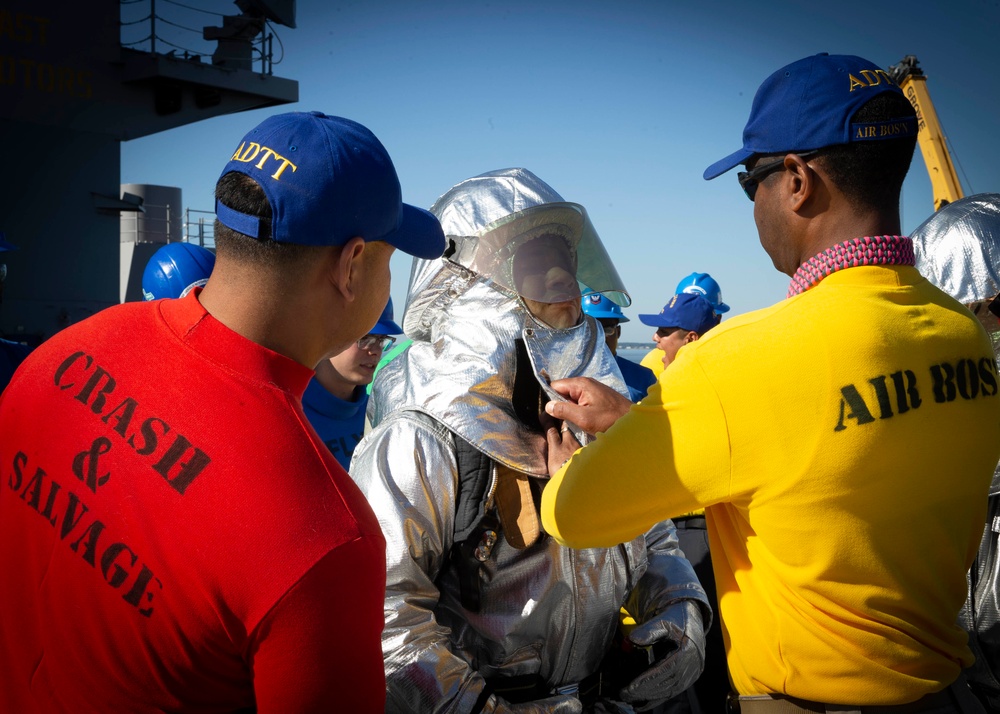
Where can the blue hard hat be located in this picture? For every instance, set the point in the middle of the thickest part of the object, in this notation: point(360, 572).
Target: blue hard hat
point(598, 306)
point(385, 325)
point(176, 268)
point(703, 284)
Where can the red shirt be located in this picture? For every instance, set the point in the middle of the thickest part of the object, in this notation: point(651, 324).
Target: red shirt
point(176, 537)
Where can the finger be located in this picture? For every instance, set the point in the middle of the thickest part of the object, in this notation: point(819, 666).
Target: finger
point(562, 445)
point(547, 421)
point(556, 409)
point(554, 438)
point(565, 411)
point(569, 387)
point(569, 438)
point(585, 417)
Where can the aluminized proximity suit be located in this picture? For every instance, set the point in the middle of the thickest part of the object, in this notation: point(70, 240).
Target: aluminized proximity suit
point(542, 615)
point(958, 249)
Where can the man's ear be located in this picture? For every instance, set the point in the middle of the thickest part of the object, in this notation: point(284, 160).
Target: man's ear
point(346, 268)
point(802, 181)
point(691, 336)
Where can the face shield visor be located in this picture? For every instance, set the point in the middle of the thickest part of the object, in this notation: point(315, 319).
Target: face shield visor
point(548, 253)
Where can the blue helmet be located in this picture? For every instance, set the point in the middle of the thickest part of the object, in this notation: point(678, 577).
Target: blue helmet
point(385, 325)
point(598, 306)
point(176, 268)
point(703, 284)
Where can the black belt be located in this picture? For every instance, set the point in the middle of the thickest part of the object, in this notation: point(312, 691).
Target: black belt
point(690, 522)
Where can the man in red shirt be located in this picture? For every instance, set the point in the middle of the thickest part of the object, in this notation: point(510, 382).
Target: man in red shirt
point(177, 538)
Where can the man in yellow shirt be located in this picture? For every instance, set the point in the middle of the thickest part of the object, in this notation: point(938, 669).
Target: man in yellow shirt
point(694, 284)
point(684, 319)
point(841, 442)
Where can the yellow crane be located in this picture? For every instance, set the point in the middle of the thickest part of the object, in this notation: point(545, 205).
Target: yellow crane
point(944, 180)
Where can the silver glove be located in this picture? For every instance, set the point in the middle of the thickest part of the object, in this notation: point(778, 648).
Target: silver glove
point(560, 704)
point(677, 639)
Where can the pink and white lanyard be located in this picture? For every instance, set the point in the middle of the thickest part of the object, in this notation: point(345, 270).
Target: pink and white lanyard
point(870, 250)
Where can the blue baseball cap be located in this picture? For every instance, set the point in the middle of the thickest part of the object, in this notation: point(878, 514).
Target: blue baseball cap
point(809, 104)
point(704, 284)
point(600, 307)
point(385, 324)
point(689, 311)
point(328, 179)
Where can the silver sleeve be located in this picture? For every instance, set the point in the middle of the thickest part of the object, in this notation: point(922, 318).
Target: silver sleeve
point(669, 577)
point(407, 469)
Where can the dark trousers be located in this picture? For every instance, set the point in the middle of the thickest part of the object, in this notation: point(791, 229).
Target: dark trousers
point(712, 688)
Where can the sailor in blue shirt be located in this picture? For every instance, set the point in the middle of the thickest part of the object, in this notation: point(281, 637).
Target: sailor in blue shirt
point(336, 399)
point(637, 378)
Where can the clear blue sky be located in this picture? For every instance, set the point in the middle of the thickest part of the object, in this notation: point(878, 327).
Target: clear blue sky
point(619, 106)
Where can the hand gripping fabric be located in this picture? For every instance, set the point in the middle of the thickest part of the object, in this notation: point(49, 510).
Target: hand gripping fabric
point(678, 633)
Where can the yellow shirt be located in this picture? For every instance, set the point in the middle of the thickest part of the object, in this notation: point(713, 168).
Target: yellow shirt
point(842, 443)
point(653, 360)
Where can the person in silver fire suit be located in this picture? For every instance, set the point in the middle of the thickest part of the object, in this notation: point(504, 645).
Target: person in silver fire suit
point(484, 611)
point(958, 249)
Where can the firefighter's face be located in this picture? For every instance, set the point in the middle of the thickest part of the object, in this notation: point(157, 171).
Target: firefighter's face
point(545, 278)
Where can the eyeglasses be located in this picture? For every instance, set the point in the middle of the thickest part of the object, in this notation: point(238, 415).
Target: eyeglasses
point(609, 329)
point(749, 180)
point(662, 332)
point(376, 343)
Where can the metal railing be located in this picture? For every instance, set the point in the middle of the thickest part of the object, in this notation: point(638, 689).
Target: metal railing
point(151, 226)
point(199, 227)
point(155, 226)
point(176, 29)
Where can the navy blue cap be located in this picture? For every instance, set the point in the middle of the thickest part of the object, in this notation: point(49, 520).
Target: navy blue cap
point(809, 104)
point(385, 324)
point(689, 311)
point(328, 179)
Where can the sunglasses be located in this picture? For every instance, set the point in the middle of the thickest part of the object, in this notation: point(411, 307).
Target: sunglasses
point(667, 331)
point(376, 343)
point(749, 180)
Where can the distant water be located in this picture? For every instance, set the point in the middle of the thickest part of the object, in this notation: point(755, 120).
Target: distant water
point(635, 354)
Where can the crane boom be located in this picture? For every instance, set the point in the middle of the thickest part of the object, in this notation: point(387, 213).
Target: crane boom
point(944, 180)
